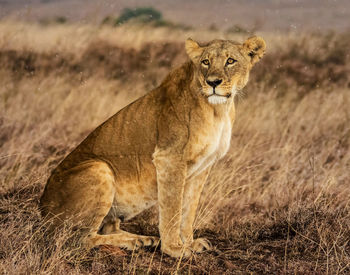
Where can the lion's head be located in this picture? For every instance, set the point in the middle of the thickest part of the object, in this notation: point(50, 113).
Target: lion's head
point(222, 66)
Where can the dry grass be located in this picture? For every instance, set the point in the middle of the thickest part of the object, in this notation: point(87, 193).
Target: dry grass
point(278, 203)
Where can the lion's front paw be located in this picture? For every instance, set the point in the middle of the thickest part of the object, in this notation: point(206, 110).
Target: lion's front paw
point(176, 250)
point(200, 244)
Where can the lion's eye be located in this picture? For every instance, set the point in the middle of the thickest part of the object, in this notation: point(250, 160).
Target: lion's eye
point(205, 62)
point(230, 61)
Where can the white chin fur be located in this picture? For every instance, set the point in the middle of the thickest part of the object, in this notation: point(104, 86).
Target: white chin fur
point(215, 99)
point(233, 91)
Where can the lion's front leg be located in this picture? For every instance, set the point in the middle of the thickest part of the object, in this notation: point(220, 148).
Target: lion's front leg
point(171, 173)
point(192, 192)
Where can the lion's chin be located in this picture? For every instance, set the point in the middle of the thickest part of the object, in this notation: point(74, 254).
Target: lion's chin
point(217, 99)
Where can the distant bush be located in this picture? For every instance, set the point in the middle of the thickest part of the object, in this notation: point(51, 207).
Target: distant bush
point(169, 24)
point(213, 27)
point(107, 20)
point(53, 20)
point(238, 29)
point(145, 14)
point(60, 19)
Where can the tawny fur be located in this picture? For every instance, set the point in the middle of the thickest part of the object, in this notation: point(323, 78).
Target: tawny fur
point(159, 148)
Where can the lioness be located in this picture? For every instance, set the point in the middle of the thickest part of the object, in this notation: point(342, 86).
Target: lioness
point(157, 149)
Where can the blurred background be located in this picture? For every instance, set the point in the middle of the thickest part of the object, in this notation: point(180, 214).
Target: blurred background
point(266, 15)
point(277, 203)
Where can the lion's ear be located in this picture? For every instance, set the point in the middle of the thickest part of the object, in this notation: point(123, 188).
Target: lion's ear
point(255, 48)
point(193, 50)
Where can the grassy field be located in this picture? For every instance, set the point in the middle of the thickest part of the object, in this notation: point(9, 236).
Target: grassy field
point(278, 203)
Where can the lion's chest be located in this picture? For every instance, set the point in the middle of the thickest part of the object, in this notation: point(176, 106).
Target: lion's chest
point(209, 146)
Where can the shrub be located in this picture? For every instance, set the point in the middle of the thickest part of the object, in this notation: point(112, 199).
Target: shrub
point(238, 29)
point(145, 14)
point(60, 19)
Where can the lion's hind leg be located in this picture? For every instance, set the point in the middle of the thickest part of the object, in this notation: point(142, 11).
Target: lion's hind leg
point(110, 234)
point(84, 195)
point(81, 195)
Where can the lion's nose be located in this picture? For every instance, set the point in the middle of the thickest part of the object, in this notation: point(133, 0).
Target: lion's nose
point(214, 83)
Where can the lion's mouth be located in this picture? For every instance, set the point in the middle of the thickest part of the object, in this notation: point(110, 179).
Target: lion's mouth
point(214, 94)
point(217, 99)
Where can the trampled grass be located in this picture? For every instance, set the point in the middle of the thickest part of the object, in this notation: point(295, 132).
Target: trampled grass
point(277, 203)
